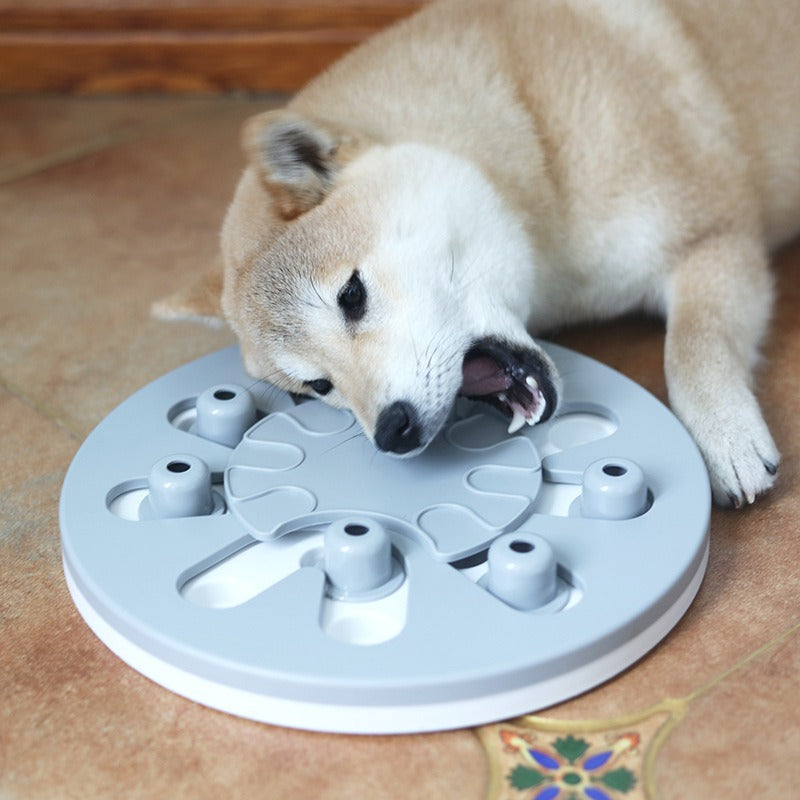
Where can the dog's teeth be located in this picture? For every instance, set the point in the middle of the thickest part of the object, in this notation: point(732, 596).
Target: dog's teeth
point(535, 417)
point(517, 421)
point(502, 397)
point(531, 381)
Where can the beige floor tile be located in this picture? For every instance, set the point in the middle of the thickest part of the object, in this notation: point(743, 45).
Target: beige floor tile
point(35, 457)
point(740, 736)
point(40, 131)
point(88, 246)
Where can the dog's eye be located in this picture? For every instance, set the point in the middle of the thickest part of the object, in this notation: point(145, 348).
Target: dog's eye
point(353, 298)
point(321, 386)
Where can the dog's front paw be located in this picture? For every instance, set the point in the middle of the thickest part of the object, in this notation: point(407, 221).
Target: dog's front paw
point(740, 454)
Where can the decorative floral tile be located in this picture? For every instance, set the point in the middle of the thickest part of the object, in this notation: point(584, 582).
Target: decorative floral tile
point(536, 758)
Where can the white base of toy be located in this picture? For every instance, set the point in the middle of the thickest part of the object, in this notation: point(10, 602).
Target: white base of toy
point(234, 596)
point(399, 719)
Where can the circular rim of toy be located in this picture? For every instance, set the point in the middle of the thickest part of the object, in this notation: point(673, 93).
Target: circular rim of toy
point(628, 582)
point(406, 718)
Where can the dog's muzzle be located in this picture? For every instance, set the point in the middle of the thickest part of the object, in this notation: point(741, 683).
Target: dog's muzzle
point(516, 380)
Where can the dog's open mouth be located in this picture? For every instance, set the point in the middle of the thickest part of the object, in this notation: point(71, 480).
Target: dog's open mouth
point(515, 380)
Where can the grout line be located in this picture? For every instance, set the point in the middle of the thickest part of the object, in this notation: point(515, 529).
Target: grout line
point(676, 709)
point(42, 410)
point(680, 708)
point(684, 703)
point(106, 141)
point(748, 659)
point(64, 156)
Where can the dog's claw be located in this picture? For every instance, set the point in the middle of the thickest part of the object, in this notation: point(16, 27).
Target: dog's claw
point(734, 501)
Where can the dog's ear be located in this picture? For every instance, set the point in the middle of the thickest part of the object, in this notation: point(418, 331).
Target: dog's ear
point(198, 301)
point(298, 158)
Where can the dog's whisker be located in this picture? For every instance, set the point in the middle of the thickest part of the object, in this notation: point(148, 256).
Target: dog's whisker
point(317, 292)
point(413, 342)
point(359, 433)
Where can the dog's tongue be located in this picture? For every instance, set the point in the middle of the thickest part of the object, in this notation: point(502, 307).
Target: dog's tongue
point(482, 375)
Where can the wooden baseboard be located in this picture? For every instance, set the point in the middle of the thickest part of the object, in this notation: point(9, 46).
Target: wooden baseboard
point(176, 46)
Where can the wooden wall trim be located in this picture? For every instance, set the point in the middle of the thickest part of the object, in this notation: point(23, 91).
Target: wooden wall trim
point(272, 45)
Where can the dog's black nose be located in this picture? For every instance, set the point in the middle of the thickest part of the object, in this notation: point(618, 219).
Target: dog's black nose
point(397, 430)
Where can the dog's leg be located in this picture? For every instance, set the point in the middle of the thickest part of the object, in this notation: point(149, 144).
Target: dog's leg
point(718, 310)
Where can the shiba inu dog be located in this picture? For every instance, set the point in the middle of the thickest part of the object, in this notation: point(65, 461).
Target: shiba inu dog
point(491, 169)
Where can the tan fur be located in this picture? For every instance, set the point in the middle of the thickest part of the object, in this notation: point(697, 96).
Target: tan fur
point(649, 151)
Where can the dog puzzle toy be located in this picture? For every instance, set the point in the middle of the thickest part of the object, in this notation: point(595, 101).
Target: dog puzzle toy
point(256, 553)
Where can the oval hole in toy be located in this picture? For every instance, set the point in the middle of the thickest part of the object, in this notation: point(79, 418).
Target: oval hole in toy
point(614, 470)
point(573, 428)
point(355, 530)
point(224, 394)
point(183, 414)
point(178, 466)
point(124, 500)
point(222, 593)
point(518, 546)
point(368, 623)
point(250, 570)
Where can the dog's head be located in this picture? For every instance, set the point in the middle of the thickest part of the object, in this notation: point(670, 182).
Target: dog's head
point(383, 278)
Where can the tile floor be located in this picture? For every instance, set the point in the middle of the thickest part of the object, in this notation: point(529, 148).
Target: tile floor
point(108, 204)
